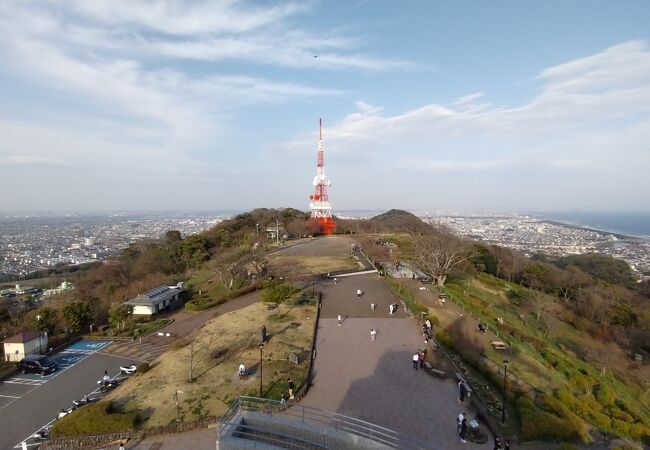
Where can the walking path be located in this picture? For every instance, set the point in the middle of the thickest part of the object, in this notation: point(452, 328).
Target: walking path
point(375, 381)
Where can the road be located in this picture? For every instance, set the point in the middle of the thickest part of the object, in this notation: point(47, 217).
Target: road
point(30, 401)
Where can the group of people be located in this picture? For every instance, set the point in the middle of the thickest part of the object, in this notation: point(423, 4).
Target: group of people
point(461, 430)
point(418, 358)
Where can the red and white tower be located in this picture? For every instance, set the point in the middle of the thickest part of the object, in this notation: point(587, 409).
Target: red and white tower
point(319, 204)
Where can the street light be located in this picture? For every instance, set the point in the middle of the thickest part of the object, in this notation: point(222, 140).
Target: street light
point(505, 379)
point(261, 347)
point(312, 283)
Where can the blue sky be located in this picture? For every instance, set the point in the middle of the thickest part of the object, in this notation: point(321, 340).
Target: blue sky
point(507, 105)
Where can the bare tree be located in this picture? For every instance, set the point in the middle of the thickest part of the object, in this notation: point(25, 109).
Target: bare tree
point(440, 253)
point(228, 273)
point(538, 301)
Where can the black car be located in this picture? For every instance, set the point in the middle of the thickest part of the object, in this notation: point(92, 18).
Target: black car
point(37, 364)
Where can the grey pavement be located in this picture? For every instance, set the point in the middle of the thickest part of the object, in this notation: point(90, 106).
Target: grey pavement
point(375, 381)
point(205, 438)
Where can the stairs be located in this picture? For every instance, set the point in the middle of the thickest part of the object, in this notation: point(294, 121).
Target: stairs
point(274, 439)
point(145, 351)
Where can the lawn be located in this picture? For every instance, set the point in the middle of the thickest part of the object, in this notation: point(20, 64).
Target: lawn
point(219, 347)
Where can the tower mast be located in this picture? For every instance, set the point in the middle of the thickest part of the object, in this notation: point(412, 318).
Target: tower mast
point(321, 209)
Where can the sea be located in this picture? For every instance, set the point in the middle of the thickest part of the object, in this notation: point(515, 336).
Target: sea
point(628, 223)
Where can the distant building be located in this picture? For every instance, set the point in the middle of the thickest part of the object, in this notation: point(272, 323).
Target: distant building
point(273, 232)
point(25, 343)
point(157, 299)
point(64, 287)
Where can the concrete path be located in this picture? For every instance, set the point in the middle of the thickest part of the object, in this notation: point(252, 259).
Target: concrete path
point(375, 381)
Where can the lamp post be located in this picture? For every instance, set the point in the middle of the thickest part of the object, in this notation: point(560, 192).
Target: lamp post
point(38, 319)
point(261, 347)
point(178, 412)
point(505, 380)
point(312, 283)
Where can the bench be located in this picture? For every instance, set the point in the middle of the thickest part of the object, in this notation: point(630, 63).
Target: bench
point(433, 371)
point(461, 377)
point(499, 345)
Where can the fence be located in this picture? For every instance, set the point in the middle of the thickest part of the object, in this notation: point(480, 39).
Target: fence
point(325, 421)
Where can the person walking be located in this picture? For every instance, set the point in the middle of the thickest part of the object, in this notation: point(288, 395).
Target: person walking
point(416, 359)
point(291, 387)
point(459, 420)
point(335, 280)
point(359, 293)
point(506, 445)
point(122, 446)
point(497, 443)
point(372, 306)
point(373, 335)
point(421, 357)
point(463, 430)
point(462, 391)
point(390, 309)
point(339, 319)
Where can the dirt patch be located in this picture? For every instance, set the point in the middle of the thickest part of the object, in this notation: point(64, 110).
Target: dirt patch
point(307, 265)
point(219, 347)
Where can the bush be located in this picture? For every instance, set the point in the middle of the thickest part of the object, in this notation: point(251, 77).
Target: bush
point(94, 418)
point(604, 395)
point(537, 424)
point(179, 343)
point(566, 446)
point(201, 304)
point(444, 338)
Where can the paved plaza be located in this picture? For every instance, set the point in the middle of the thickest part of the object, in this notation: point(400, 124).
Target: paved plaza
point(375, 381)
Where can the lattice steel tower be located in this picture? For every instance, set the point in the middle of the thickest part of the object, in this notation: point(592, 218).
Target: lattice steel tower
point(321, 209)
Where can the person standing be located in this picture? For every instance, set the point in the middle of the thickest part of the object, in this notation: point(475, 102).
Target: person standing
point(373, 335)
point(497, 443)
point(122, 445)
point(339, 320)
point(335, 280)
point(421, 357)
point(390, 309)
point(359, 293)
point(463, 430)
point(462, 391)
point(372, 306)
point(506, 445)
point(291, 387)
point(416, 360)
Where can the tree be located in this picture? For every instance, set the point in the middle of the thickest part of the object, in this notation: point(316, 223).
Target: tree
point(78, 315)
point(45, 320)
point(228, 273)
point(539, 302)
point(194, 250)
point(120, 313)
point(172, 237)
point(278, 293)
point(4, 315)
point(440, 253)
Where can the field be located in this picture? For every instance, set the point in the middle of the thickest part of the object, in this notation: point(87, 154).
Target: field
point(217, 350)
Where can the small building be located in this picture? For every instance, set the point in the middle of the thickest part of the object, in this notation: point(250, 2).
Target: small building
point(25, 343)
point(272, 233)
point(64, 287)
point(157, 299)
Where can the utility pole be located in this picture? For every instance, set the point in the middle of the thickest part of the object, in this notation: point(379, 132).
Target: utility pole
point(261, 348)
point(191, 354)
point(277, 232)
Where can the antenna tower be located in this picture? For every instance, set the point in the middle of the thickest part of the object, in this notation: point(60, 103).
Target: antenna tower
point(321, 209)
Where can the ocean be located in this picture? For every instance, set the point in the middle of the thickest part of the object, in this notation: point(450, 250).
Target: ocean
point(630, 223)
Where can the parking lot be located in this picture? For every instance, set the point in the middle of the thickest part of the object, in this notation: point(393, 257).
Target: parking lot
point(30, 401)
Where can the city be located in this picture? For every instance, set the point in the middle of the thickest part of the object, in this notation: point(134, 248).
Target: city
point(532, 235)
point(37, 242)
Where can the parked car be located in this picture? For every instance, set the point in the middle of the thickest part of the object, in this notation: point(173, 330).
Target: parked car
point(37, 364)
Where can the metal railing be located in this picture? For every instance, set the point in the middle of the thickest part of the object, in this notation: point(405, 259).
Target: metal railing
point(310, 416)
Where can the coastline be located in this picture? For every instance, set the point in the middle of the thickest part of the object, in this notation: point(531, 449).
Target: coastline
point(620, 236)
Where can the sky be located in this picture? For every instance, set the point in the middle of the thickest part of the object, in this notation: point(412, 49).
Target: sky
point(435, 105)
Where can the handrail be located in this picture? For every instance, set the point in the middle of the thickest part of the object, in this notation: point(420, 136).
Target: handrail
point(310, 415)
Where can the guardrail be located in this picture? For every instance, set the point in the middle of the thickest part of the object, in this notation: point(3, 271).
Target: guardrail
point(312, 416)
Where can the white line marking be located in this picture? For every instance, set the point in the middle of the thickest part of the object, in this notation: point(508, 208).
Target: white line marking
point(9, 396)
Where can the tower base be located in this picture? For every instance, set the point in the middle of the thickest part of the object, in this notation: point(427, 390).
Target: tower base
point(324, 225)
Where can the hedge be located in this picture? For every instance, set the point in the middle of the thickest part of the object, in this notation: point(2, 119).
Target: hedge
point(203, 303)
point(94, 418)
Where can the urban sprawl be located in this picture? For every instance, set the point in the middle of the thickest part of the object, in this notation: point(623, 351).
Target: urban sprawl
point(29, 244)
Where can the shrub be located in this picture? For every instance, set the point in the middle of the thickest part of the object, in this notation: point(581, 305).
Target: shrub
point(604, 395)
point(444, 338)
point(179, 343)
point(94, 418)
point(566, 446)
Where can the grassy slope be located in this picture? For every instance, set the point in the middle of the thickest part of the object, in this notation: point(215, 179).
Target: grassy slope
point(549, 363)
